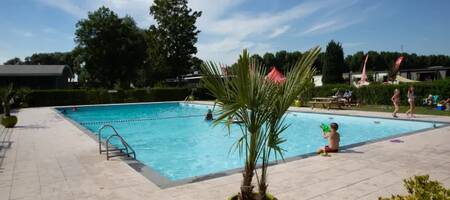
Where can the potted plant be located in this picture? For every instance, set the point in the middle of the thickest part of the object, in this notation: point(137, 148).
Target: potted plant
point(6, 97)
point(297, 103)
point(260, 104)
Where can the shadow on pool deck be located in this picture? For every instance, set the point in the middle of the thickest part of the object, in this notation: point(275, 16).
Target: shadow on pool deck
point(5, 144)
point(350, 151)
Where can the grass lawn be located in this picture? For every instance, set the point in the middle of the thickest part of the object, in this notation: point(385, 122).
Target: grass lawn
point(389, 108)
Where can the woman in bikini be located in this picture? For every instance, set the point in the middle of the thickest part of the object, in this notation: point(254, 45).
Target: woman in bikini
point(411, 101)
point(396, 101)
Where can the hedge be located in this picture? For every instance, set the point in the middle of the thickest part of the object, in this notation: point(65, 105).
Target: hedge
point(381, 94)
point(100, 96)
point(372, 94)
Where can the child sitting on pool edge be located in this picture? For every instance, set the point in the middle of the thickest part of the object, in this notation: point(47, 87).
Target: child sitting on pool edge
point(333, 140)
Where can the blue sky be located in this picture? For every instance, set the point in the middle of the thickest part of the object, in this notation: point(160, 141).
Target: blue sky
point(228, 26)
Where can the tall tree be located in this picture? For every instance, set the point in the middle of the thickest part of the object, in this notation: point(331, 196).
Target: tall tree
point(111, 48)
point(55, 58)
point(333, 65)
point(269, 59)
point(13, 61)
point(355, 61)
point(172, 40)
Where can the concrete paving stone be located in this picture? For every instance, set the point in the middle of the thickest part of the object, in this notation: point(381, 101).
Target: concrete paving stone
point(383, 180)
point(83, 187)
point(5, 192)
point(290, 196)
point(24, 189)
point(56, 190)
point(93, 197)
point(119, 193)
point(352, 192)
point(446, 182)
point(31, 197)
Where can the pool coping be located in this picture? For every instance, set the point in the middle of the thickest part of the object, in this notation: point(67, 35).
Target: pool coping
point(163, 182)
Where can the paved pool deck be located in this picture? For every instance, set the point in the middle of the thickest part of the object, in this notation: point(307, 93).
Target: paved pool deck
point(48, 157)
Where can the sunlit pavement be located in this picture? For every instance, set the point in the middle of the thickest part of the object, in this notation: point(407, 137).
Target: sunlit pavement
point(47, 157)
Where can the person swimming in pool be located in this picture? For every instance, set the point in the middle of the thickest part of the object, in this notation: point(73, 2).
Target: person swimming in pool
point(333, 140)
point(209, 115)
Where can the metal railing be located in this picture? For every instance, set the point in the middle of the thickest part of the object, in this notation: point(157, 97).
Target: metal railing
point(126, 150)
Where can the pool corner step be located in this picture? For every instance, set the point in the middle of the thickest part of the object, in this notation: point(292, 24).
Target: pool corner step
point(111, 150)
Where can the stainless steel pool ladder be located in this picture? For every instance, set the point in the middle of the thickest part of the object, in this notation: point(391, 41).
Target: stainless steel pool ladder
point(126, 150)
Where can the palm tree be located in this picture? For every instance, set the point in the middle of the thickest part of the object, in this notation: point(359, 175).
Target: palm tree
point(260, 104)
point(298, 80)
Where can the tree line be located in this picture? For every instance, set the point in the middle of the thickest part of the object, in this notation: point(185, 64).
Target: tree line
point(112, 51)
point(378, 61)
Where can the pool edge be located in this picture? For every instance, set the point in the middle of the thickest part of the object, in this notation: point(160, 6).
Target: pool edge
point(163, 182)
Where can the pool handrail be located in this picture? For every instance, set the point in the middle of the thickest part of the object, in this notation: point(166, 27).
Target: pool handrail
point(129, 150)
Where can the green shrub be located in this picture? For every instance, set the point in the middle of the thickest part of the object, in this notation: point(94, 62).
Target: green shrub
point(165, 94)
point(8, 121)
point(380, 94)
point(421, 188)
point(203, 94)
point(375, 94)
point(101, 96)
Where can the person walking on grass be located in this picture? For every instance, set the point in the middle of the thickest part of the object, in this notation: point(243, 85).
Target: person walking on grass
point(396, 101)
point(411, 101)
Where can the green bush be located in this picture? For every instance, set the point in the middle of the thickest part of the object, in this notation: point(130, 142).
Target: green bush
point(374, 94)
point(380, 94)
point(8, 121)
point(421, 188)
point(101, 96)
point(202, 94)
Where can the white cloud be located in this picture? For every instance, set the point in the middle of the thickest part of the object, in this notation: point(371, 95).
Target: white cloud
point(138, 9)
point(49, 30)
point(242, 29)
point(213, 9)
point(67, 6)
point(340, 17)
point(26, 34)
point(330, 26)
point(225, 30)
point(50, 33)
point(352, 44)
point(319, 27)
point(279, 31)
point(242, 25)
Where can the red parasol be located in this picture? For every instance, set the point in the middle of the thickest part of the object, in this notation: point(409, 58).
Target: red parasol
point(276, 76)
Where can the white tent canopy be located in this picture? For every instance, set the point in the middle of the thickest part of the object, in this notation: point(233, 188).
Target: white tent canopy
point(402, 79)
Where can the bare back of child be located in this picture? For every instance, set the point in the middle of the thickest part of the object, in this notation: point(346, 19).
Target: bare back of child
point(333, 140)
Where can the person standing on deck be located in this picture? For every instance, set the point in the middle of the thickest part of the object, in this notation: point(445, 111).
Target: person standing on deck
point(411, 101)
point(396, 101)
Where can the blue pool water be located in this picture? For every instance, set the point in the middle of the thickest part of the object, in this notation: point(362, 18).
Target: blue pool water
point(174, 140)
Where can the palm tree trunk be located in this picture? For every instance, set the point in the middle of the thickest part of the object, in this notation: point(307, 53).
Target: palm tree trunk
point(262, 186)
point(6, 109)
point(250, 164)
point(247, 187)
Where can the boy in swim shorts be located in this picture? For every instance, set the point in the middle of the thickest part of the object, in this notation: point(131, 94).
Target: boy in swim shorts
point(333, 140)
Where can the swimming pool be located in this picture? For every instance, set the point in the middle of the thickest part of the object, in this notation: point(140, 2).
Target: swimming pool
point(174, 140)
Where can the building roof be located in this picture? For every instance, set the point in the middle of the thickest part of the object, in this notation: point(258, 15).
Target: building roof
point(427, 69)
point(33, 70)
